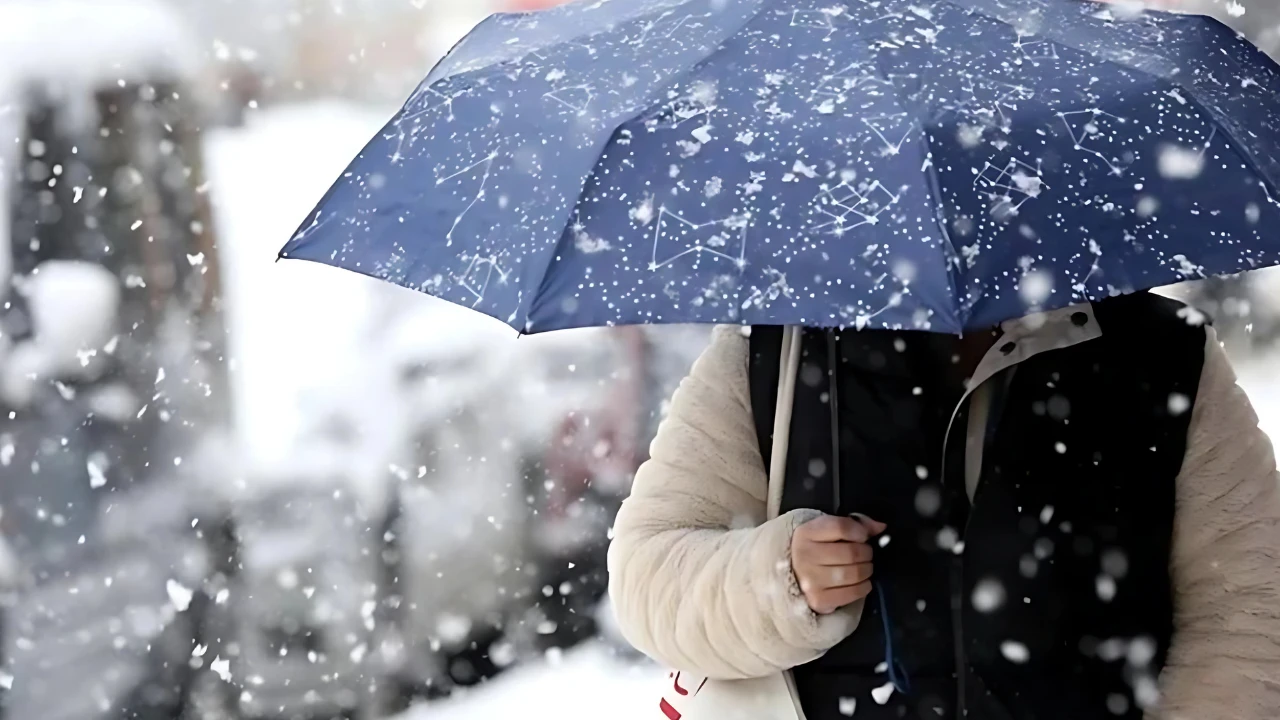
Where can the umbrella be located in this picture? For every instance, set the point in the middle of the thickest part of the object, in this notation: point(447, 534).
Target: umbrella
point(873, 163)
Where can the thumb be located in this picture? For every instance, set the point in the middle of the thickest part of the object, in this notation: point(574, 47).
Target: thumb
point(874, 527)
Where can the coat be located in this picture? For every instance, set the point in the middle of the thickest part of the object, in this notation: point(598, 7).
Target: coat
point(701, 583)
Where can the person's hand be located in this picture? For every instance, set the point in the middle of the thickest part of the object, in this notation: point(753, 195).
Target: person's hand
point(831, 558)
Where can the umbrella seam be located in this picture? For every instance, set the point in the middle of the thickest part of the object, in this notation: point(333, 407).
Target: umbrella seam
point(1172, 80)
point(1218, 118)
point(935, 192)
point(675, 80)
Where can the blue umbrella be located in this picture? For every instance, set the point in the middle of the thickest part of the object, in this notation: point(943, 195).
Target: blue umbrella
point(872, 163)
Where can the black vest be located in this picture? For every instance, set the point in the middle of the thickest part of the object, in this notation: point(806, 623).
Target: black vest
point(1049, 596)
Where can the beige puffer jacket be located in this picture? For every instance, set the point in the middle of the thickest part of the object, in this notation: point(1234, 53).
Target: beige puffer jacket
point(703, 584)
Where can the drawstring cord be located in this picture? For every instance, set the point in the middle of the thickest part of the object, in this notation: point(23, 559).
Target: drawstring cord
point(897, 672)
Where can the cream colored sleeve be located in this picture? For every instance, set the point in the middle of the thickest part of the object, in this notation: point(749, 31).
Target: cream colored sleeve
point(1225, 659)
point(698, 579)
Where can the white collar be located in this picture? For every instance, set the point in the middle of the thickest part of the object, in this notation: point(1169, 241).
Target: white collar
point(1028, 336)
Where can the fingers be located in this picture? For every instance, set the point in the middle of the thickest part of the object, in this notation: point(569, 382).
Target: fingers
point(832, 560)
point(825, 602)
point(833, 553)
point(843, 576)
point(820, 578)
point(874, 527)
point(833, 528)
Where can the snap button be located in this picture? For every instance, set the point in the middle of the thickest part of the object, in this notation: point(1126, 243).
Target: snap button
point(1008, 347)
point(1079, 319)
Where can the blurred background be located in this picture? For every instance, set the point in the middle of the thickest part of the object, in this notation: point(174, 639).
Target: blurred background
point(234, 488)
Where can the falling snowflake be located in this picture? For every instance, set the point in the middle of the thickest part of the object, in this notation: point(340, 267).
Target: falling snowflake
point(179, 595)
point(1015, 652)
point(988, 595)
point(882, 694)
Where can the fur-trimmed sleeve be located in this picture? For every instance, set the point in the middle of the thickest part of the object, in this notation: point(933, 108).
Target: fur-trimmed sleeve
point(1225, 659)
point(698, 580)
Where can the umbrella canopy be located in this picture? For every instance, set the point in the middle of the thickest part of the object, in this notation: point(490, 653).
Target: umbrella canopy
point(886, 163)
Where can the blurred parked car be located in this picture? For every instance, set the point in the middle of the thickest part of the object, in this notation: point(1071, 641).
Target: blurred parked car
point(109, 629)
point(523, 452)
point(300, 601)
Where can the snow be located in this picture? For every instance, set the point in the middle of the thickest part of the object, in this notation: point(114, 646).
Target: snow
point(73, 307)
point(310, 342)
point(80, 45)
point(302, 331)
point(292, 325)
point(584, 684)
point(91, 42)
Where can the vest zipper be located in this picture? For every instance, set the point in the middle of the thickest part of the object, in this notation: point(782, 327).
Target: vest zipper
point(957, 633)
point(957, 575)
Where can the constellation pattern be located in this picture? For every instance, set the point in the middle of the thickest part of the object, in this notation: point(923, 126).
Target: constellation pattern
point(479, 273)
point(824, 19)
point(776, 288)
point(1090, 130)
point(836, 88)
point(647, 31)
point(991, 101)
point(699, 102)
point(1081, 288)
point(1035, 51)
point(882, 124)
point(702, 161)
point(487, 164)
point(710, 238)
point(575, 97)
point(1011, 185)
point(847, 206)
point(860, 316)
point(425, 101)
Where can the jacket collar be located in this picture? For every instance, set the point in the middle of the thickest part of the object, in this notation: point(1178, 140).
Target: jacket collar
point(1025, 337)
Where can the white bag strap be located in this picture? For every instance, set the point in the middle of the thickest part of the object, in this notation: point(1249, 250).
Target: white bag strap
point(788, 370)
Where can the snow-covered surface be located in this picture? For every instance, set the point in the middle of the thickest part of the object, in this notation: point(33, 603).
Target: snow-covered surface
point(73, 307)
point(91, 42)
point(309, 341)
point(292, 325)
point(588, 683)
point(79, 46)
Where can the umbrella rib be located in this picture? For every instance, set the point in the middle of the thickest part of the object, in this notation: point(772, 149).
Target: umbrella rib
point(675, 79)
point(1209, 111)
point(935, 192)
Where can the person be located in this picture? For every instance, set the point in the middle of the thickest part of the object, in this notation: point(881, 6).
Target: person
point(1073, 516)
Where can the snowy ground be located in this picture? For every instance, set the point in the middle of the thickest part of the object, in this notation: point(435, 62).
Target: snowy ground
point(581, 685)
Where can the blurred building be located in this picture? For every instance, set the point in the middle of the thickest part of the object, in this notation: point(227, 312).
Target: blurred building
point(111, 340)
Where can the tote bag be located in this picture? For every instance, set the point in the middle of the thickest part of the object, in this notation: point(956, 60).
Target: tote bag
point(689, 697)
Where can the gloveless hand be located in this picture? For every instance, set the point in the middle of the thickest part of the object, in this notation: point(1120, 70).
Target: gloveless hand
point(831, 558)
